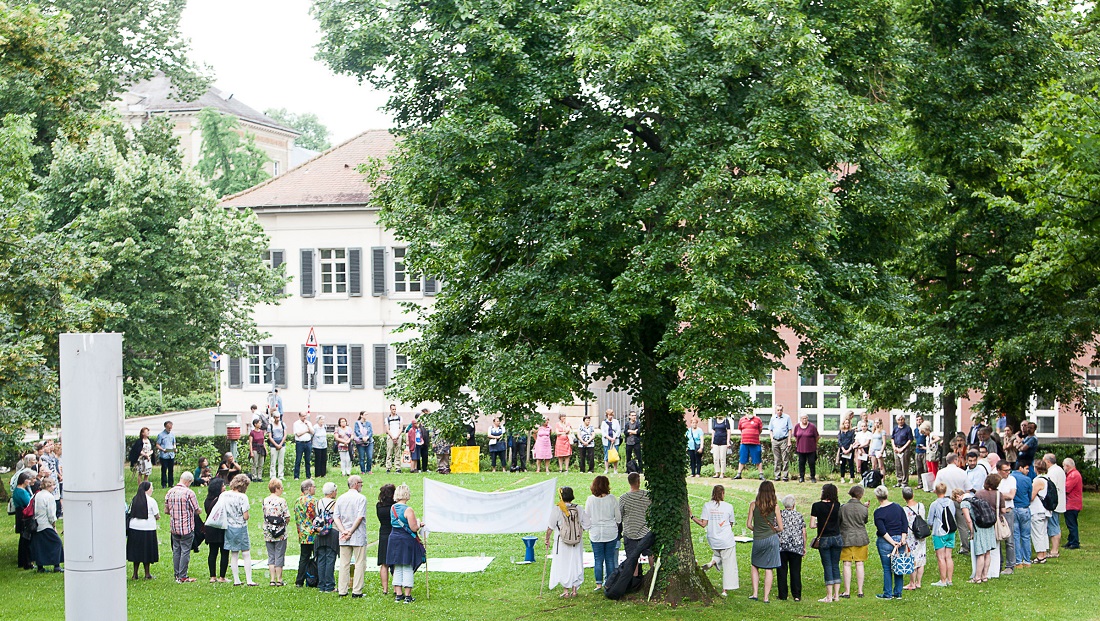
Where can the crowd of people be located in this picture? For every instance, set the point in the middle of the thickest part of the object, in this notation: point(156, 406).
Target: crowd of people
point(36, 502)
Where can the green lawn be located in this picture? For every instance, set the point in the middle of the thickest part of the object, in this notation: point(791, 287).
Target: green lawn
point(1066, 587)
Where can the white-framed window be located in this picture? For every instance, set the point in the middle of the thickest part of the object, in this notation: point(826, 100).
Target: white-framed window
point(335, 366)
point(258, 372)
point(275, 168)
point(400, 362)
point(334, 270)
point(405, 281)
point(822, 400)
point(1044, 413)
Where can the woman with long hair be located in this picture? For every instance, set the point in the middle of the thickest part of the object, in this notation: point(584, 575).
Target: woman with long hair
point(382, 510)
point(215, 537)
point(717, 518)
point(877, 446)
point(141, 540)
point(825, 517)
point(606, 516)
point(141, 456)
point(765, 522)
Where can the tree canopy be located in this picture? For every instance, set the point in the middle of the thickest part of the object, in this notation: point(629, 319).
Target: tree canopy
point(314, 134)
point(228, 161)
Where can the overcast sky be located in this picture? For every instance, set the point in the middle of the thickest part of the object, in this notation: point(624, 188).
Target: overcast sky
point(262, 52)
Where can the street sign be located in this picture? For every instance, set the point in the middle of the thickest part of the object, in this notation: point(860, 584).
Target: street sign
point(214, 356)
point(272, 364)
point(311, 340)
point(311, 355)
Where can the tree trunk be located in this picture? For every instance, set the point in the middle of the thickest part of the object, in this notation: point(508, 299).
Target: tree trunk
point(950, 414)
point(679, 577)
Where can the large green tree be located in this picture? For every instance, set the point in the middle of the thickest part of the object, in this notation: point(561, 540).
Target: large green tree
point(228, 161)
point(187, 272)
point(314, 134)
point(646, 186)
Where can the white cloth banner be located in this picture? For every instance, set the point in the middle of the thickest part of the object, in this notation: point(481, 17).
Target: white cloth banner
point(451, 509)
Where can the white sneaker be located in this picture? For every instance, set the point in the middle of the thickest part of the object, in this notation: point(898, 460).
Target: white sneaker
point(939, 584)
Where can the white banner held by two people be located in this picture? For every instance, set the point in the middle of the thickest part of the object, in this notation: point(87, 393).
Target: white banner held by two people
point(451, 509)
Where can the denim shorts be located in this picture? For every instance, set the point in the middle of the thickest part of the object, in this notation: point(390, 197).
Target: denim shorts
point(1054, 528)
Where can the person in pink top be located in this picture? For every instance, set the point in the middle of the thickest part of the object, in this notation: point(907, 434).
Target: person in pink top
point(1074, 486)
point(750, 426)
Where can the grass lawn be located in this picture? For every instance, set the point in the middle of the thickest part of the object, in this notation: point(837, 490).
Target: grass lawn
point(1066, 587)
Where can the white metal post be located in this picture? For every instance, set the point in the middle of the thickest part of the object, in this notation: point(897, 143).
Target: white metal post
point(95, 503)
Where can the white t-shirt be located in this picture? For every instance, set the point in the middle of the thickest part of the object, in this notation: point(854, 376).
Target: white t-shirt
point(1058, 477)
point(719, 517)
point(149, 523)
point(863, 438)
point(236, 505)
point(393, 426)
point(954, 478)
point(1007, 488)
point(303, 432)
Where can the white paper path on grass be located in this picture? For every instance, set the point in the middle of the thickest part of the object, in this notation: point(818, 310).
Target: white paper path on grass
point(456, 565)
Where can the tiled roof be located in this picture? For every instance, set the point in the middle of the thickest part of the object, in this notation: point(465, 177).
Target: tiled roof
point(155, 95)
point(329, 179)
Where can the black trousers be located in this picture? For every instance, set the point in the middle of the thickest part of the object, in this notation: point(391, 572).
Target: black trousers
point(167, 471)
point(320, 462)
point(803, 459)
point(422, 457)
point(634, 451)
point(212, 561)
point(849, 465)
point(790, 563)
point(587, 455)
point(303, 562)
point(519, 456)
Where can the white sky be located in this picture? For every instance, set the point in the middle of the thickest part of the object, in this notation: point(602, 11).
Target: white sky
point(262, 52)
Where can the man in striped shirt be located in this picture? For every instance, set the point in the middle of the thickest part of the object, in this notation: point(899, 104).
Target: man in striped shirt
point(181, 505)
point(633, 506)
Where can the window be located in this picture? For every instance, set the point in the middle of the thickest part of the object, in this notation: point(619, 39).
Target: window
point(1092, 377)
point(831, 422)
point(334, 365)
point(403, 280)
point(807, 378)
point(1044, 402)
point(765, 380)
point(400, 362)
point(334, 270)
point(259, 371)
point(808, 400)
point(1044, 424)
point(763, 400)
point(275, 168)
point(830, 379)
point(831, 401)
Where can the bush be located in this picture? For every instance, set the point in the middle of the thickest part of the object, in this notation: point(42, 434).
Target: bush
point(144, 400)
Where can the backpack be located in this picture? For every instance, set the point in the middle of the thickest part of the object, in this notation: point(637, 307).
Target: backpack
point(1050, 501)
point(949, 521)
point(872, 479)
point(311, 573)
point(921, 530)
point(984, 515)
point(632, 466)
point(323, 522)
point(275, 525)
point(572, 532)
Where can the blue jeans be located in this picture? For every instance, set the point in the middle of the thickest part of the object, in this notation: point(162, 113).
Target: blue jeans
point(891, 582)
point(606, 555)
point(300, 449)
point(326, 568)
point(1022, 535)
point(366, 456)
point(830, 558)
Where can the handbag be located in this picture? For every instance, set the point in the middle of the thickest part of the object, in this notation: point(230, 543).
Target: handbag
point(901, 563)
point(1001, 530)
point(816, 543)
point(612, 455)
point(216, 517)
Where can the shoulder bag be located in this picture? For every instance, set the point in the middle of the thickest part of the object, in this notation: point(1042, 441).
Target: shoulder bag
point(816, 543)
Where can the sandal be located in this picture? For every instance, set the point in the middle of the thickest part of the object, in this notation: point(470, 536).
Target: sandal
point(213, 580)
point(273, 583)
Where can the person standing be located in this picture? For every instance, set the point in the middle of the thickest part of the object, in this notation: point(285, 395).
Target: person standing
point(1021, 504)
point(350, 520)
point(364, 443)
point(877, 447)
point(1026, 446)
point(498, 446)
point(419, 442)
point(342, 438)
point(920, 448)
point(892, 529)
point(825, 516)
point(602, 508)
point(305, 513)
point(303, 438)
point(236, 504)
point(853, 530)
point(25, 527)
point(393, 440)
point(46, 546)
point(518, 441)
point(404, 551)
point(1074, 487)
point(750, 426)
point(779, 427)
point(141, 532)
point(972, 435)
point(902, 439)
point(215, 537)
point(319, 445)
point(567, 566)
point(382, 512)
point(257, 450)
point(586, 445)
point(917, 547)
point(544, 449)
point(633, 506)
point(1007, 490)
point(846, 452)
point(1040, 515)
point(719, 444)
point(633, 434)
point(276, 441)
point(766, 522)
point(1057, 478)
point(563, 444)
point(612, 434)
point(940, 515)
point(717, 518)
point(695, 447)
point(326, 543)
point(166, 447)
point(792, 547)
point(181, 505)
point(276, 521)
point(805, 444)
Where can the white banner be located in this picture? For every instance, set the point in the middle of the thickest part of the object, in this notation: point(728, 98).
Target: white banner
point(451, 509)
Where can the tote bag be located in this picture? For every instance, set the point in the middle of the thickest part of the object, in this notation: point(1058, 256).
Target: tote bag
point(901, 564)
point(216, 519)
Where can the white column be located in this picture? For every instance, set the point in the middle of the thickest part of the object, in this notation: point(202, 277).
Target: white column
point(95, 503)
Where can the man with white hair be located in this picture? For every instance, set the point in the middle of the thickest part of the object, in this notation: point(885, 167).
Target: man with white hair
point(350, 520)
point(30, 464)
point(1057, 477)
point(181, 505)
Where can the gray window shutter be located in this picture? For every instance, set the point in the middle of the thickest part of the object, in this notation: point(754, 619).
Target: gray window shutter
point(431, 286)
point(278, 257)
point(378, 270)
point(309, 288)
point(355, 272)
point(280, 374)
point(234, 372)
point(355, 353)
point(306, 380)
point(381, 367)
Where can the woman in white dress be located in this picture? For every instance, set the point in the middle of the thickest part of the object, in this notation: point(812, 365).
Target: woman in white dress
point(566, 531)
point(863, 446)
point(717, 518)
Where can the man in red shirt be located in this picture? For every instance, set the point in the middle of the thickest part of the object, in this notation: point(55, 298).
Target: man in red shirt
point(1074, 486)
point(750, 426)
